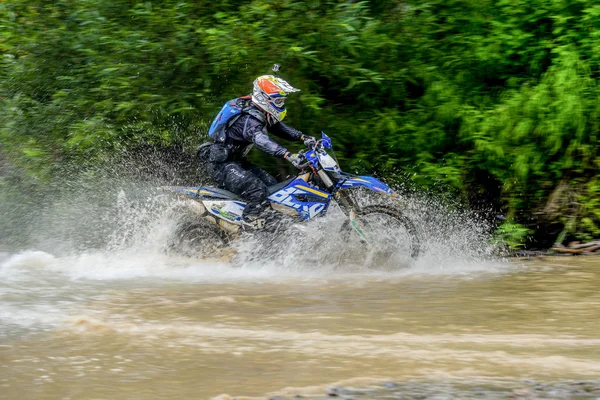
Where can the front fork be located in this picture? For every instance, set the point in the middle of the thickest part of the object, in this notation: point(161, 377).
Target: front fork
point(350, 207)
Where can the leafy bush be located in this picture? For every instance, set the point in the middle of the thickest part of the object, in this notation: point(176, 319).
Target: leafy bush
point(511, 235)
point(496, 100)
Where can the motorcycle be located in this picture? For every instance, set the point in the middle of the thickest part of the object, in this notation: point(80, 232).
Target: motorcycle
point(383, 230)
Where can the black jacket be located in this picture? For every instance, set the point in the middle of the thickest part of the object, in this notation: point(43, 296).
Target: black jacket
point(251, 129)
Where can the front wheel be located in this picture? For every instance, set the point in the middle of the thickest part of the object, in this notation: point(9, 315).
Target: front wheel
point(391, 238)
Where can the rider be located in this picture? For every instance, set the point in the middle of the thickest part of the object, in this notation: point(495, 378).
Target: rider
point(261, 112)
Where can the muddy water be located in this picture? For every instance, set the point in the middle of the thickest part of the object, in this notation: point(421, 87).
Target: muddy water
point(96, 327)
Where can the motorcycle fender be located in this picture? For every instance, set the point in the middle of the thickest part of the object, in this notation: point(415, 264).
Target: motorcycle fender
point(369, 182)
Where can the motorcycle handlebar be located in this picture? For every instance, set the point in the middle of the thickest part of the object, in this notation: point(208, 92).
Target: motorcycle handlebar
point(316, 147)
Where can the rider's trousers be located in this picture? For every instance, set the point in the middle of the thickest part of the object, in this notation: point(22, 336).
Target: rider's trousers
point(247, 181)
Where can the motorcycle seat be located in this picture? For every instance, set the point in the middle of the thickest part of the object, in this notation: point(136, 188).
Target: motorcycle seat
point(222, 193)
point(279, 186)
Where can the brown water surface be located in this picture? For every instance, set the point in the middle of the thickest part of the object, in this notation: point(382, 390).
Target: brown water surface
point(156, 338)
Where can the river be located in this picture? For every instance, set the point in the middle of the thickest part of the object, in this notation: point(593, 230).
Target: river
point(102, 325)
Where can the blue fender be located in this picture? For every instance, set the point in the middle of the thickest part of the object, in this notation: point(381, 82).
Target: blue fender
point(369, 182)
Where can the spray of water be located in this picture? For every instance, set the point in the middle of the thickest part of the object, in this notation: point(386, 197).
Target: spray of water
point(109, 224)
point(451, 241)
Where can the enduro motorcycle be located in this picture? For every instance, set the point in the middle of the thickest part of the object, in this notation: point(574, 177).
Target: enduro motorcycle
point(384, 230)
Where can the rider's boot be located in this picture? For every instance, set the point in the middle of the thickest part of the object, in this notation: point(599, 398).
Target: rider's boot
point(253, 222)
point(260, 221)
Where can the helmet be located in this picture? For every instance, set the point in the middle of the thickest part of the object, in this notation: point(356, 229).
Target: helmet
point(269, 94)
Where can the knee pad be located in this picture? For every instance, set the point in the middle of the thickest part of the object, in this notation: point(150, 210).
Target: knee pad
point(218, 153)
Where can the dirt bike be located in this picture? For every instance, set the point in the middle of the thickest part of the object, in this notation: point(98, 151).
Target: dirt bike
point(383, 230)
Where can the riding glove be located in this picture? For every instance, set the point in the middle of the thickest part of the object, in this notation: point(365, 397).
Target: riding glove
point(295, 159)
point(309, 141)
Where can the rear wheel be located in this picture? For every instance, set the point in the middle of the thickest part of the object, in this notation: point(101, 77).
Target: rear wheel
point(199, 237)
point(391, 239)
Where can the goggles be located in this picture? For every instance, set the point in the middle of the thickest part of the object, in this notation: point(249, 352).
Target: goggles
point(278, 100)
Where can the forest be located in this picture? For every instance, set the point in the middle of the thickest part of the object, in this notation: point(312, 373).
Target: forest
point(494, 103)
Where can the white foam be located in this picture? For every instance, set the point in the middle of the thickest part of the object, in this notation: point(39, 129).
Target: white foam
point(131, 265)
point(25, 265)
point(30, 259)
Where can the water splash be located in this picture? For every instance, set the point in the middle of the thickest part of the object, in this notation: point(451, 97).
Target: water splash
point(110, 225)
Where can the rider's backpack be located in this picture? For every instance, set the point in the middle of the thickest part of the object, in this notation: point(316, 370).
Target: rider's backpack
point(230, 112)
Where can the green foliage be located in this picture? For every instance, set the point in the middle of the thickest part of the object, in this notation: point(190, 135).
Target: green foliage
point(511, 235)
point(487, 99)
point(588, 216)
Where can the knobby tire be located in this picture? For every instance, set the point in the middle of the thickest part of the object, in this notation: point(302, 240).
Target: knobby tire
point(413, 235)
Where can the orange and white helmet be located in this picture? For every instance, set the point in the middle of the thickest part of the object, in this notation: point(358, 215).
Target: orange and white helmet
point(269, 94)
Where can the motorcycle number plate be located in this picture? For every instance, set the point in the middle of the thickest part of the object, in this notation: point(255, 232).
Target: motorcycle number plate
point(228, 210)
point(327, 162)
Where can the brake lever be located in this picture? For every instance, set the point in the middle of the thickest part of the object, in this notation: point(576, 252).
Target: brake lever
point(318, 145)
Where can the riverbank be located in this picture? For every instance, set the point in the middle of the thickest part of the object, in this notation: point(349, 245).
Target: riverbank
point(591, 248)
